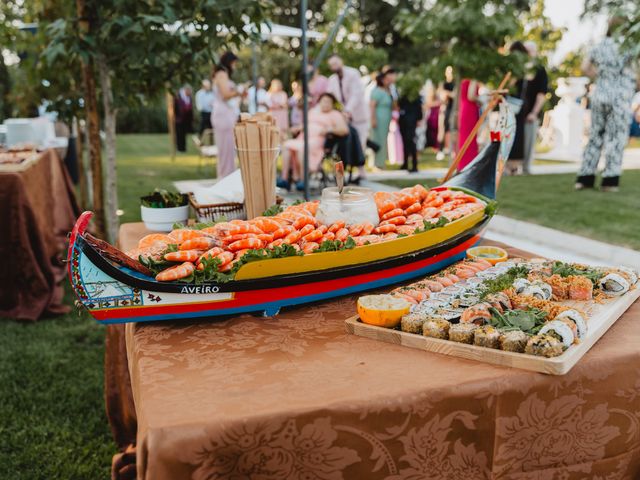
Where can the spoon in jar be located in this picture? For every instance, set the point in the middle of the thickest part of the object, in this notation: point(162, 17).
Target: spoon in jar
point(339, 173)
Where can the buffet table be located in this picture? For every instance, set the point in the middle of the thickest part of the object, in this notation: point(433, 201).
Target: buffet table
point(37, 210)
point(297, 397)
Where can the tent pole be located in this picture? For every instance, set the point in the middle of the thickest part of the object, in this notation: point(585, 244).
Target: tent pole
point(305, 96)
point(332, 36)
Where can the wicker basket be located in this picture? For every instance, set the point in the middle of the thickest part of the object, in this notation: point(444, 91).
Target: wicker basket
point(213, 212)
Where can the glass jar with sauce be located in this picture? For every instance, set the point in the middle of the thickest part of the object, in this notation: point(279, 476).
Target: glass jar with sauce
point(355, 205)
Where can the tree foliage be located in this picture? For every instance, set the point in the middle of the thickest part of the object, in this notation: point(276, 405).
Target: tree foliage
point(537, 27)
point(628, 13)
point(468, 34)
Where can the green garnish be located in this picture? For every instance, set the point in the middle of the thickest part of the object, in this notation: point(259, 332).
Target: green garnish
point(504, 281)
point(336, 245)
point(273, 210)
point(569, 269)
point(529, 321)
point(426, 226)
point(164, 199)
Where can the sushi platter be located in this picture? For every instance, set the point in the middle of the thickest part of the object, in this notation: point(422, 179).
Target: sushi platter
point(535, 315)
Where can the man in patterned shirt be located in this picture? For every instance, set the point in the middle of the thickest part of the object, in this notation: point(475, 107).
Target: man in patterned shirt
point(610, 110)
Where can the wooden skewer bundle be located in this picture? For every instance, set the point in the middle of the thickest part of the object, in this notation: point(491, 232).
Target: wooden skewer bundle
point(257, 141)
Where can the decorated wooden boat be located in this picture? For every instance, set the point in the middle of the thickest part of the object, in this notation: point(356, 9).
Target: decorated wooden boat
point(113, 293)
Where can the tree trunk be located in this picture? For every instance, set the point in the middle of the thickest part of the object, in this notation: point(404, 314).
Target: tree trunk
point(93, 125)
point(171, 123)
point(82, 171)
point(110, 173)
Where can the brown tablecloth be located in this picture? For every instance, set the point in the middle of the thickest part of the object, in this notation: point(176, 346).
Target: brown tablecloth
point(297, 397)
point(37, 210)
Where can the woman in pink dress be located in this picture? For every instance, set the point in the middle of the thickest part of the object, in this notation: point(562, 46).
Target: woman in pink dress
point(279, 107)
point(468, 115)
point(324, 119)
point(226, 109)
point(318, 84)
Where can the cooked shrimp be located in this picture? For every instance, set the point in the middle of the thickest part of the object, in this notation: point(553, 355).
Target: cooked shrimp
point(310, 247)
point(304, 220)
point(293, 237)
point(213, 252)
point(401, 220)
point(385, 228)
point(465, 273)
point(239, 228)
point(266, 224)
point(283, 232)
point(355, 230)
point(482, 263)
point(313, 236)
point(420, 191)
point(247, 243)
point(329, 236)
point(198, 243)
point(275, 243)
point(407, 199)
point(240, 253)
point(238, 236)
point(366, 239)
point(453, 277)
point(323, 228)
point(183, 256)
point(342, 234)
point(308, 228)
point(419, 295)
point(436, 202)
point(152, 238)
point(176, 273)
point(405, 229)
point(181, 235)
point(265, 237)
point(387, 206)
point(415, 218)
point(429, 212)
point(392, 213)
point(367, 228)
point(413, 208)
point(390, 236)
point(336, 226)
point(225, 259)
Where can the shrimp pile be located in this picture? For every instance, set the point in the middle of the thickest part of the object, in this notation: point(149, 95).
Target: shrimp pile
point(421, 290)
point(401, 213)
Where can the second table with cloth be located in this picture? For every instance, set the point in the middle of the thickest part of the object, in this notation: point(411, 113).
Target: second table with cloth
point(295, 396)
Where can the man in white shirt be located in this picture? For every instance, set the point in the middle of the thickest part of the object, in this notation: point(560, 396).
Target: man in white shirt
point(259, 102)
point(204, 104)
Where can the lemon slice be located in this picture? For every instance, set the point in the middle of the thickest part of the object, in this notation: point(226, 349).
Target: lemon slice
point(382, 310)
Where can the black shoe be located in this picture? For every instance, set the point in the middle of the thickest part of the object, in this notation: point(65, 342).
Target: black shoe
point(585, 181)
point(610, 184)
point(413, 170)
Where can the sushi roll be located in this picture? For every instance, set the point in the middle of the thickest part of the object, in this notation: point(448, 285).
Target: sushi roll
point(450, 313)
point(577, 319)
point(500, 301)
point(478, 314)
point(561, 330)
point(520, 284)
point(412, 322)
point(462, 332)
point(513, 341)
point(436, 328)
point(544, 346)
point(614, 284)
point(535, 291)
point(580, 288)
point(487, 336)
point(545, 287)
point(629, 273)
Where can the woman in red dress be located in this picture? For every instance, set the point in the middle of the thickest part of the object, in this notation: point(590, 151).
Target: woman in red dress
point(468, 115)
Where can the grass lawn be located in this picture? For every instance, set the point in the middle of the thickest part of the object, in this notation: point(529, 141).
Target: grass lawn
point(52, 418)
point(550, 200)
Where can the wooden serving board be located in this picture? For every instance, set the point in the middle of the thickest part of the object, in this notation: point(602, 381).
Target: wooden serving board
point(601, 317)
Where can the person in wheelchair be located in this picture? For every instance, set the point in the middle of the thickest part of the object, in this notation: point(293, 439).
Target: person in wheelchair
point(324, 119)
point(348, 149)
